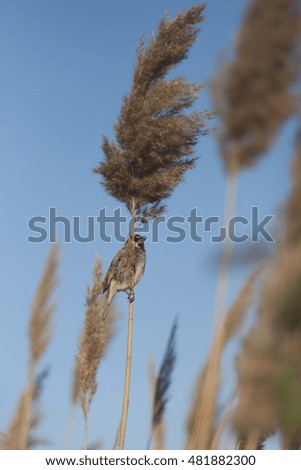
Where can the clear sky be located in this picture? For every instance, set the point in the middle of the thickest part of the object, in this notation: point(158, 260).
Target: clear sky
point(65, 66)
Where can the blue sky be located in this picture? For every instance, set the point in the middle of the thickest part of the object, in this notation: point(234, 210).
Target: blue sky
point(65, 66)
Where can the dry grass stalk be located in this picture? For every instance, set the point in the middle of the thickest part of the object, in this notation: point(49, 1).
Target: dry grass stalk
point(23, 422)
point(162, 384)
point(14, 435)
point(237, 312)
point(127, 378)
point(221, 425)
point(13, 438)
point(253, 94)
point(93, 344)
point(203, 411)
point(224, 271)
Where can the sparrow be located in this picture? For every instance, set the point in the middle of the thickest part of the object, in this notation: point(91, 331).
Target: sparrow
point(125, 271)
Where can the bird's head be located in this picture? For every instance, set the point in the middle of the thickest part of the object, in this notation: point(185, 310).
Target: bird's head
point(139, 241)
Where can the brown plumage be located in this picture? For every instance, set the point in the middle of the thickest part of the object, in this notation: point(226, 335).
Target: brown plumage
point(126, 269)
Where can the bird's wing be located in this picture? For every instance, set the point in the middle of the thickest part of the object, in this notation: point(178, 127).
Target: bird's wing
point(113, 270)
point(107, 279)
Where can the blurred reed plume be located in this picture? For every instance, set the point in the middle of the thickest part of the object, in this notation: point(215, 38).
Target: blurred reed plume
point(268, 367)
point(291, 214)
point(25, 419)
point(12, 439)
point(161, 385)
point(238, 310)
point(93, 345)
point(253, 96)
point(254, 93)
point(201, 421)
point(155, 137)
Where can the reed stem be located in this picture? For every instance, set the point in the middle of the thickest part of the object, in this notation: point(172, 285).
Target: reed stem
point(128, 366)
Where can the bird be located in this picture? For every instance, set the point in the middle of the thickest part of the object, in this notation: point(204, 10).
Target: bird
point(125, 271)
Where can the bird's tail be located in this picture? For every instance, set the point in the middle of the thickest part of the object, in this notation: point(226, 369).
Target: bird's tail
point(109, 298)
point(105, 312)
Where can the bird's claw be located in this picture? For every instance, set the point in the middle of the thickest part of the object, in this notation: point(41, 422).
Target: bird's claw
point(131, 296)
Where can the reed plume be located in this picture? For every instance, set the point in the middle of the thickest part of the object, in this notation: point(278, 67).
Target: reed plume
point(161, 388)
point(155, 136)
point(93, 344)
point(254, 93)
point(18, 435)
point(12, 439)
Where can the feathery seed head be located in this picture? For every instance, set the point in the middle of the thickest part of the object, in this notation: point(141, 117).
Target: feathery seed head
point(154, 137)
